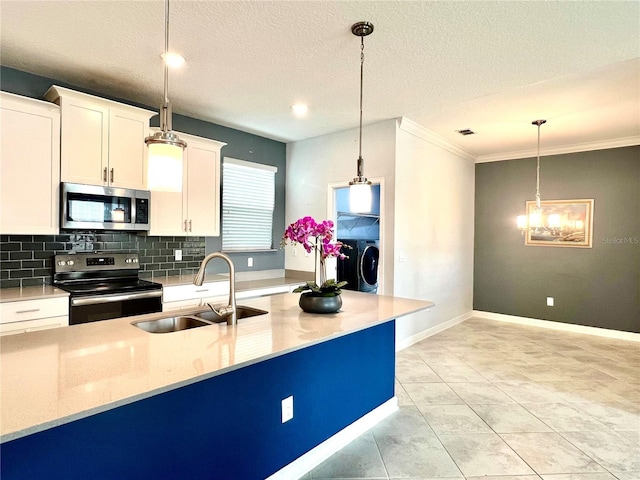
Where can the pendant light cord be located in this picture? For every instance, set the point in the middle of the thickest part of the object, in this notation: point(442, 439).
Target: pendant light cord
point(538, 172)
point(361, 29)
point(539, 123)
point(361, 83)
point(164, 117)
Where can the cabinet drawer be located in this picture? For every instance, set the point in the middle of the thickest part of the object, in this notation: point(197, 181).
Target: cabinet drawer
point(186, 292)
point(33, 325)
point(11, 312)
point(263, 292)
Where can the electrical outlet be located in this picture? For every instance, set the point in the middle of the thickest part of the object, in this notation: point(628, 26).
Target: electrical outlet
point(250, 262)
point(549, 301)
point(178, 255)
point(287, 409)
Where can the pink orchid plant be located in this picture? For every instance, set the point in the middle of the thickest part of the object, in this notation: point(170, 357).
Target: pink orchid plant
point(314, 236)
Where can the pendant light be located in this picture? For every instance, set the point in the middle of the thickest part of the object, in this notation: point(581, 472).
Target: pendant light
point(534, 220)
point(164, 167)
point(360, 187)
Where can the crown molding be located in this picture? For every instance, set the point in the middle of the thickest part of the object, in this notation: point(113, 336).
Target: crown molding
point(578, 147)
point(419, 131)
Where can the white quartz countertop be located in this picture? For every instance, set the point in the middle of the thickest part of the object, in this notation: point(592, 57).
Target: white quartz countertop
point(52, 377)
point(241, 285)
point(30, 293)
point(49, 291)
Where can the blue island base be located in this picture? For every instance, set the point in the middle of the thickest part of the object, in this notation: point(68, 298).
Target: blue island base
point(226, 427)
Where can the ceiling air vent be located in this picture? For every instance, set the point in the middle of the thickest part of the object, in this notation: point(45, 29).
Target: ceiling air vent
point(466, 131)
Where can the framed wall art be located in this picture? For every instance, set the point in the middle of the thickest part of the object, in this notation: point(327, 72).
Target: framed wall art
point(560, 223)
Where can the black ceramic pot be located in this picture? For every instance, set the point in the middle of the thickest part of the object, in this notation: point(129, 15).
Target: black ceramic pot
point(312, 303)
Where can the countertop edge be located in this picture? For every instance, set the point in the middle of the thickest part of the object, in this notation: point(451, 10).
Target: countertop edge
point(14, 435)
point(167, 388)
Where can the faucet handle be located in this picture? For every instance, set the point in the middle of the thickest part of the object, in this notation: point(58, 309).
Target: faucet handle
point(228, 310)
point(222, 311)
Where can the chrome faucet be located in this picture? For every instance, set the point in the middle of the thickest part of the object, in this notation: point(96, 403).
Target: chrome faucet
point(230, 310)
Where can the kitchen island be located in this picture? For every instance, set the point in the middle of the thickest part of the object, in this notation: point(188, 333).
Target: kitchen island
point(109, 400)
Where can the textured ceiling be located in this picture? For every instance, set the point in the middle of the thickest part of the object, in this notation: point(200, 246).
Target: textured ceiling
point(492, 67)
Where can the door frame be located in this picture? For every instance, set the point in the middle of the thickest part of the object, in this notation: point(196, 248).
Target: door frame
point(332, 214)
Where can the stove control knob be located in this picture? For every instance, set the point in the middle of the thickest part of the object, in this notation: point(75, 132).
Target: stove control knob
point(70, 262)
point(135, 260)
point(61, 262)
point(128, 260)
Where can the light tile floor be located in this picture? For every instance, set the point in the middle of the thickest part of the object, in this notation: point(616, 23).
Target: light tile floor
point(505, 402)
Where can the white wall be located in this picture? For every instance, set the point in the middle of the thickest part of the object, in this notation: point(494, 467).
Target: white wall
point(434, 224)
point(315, 163)
point(428, 213)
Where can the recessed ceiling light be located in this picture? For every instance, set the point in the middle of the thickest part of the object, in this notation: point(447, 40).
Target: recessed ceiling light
point(174, 60)
point(299, 109)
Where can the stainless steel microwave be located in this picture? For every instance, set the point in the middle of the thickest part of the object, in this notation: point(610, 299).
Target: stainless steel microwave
point(91, 207)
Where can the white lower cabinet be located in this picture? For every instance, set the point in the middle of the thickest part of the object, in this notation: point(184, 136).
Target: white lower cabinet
point(217, 293)
point(184, 296)
point(30, 315)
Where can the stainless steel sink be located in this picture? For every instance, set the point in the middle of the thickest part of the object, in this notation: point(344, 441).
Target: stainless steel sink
point(171, 324)
point(241, 312)
point(185, 322)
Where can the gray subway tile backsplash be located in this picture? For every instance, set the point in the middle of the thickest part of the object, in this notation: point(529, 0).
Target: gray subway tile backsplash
point(26, 260)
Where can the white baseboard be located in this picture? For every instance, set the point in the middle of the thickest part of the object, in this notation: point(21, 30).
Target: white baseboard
point(319, 454)
point(568, 327)
point(407, 342)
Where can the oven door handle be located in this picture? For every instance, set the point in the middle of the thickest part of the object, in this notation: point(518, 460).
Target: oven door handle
point(116, 297)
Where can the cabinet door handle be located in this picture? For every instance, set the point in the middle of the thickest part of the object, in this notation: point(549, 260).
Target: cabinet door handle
point(189, 225)
point(185, 225)
point(104, 175)
point(29, 311)
point(112, 175)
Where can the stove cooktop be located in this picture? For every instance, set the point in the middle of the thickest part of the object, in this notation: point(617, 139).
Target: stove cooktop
point(107, 287)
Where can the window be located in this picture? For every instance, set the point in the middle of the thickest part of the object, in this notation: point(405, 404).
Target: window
point(248, 201)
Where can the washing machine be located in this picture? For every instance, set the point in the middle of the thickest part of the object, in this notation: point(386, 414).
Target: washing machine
point(360, 270)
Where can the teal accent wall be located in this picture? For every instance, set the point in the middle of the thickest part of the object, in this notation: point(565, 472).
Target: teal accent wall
point(599, 286)
point(241, 145)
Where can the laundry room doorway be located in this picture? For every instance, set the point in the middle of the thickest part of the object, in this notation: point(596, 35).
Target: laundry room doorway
point(363, 233)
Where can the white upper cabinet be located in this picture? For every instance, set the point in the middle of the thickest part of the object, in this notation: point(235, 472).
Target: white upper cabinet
point(29, 165)
point(196, 210)
point(102, 142)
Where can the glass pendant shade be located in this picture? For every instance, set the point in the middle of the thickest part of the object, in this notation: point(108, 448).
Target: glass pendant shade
point(360, 197)
point(535, 219)
point(554, 221)
point(164, 167)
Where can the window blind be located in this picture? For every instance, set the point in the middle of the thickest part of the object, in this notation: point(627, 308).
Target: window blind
point(248, 201)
